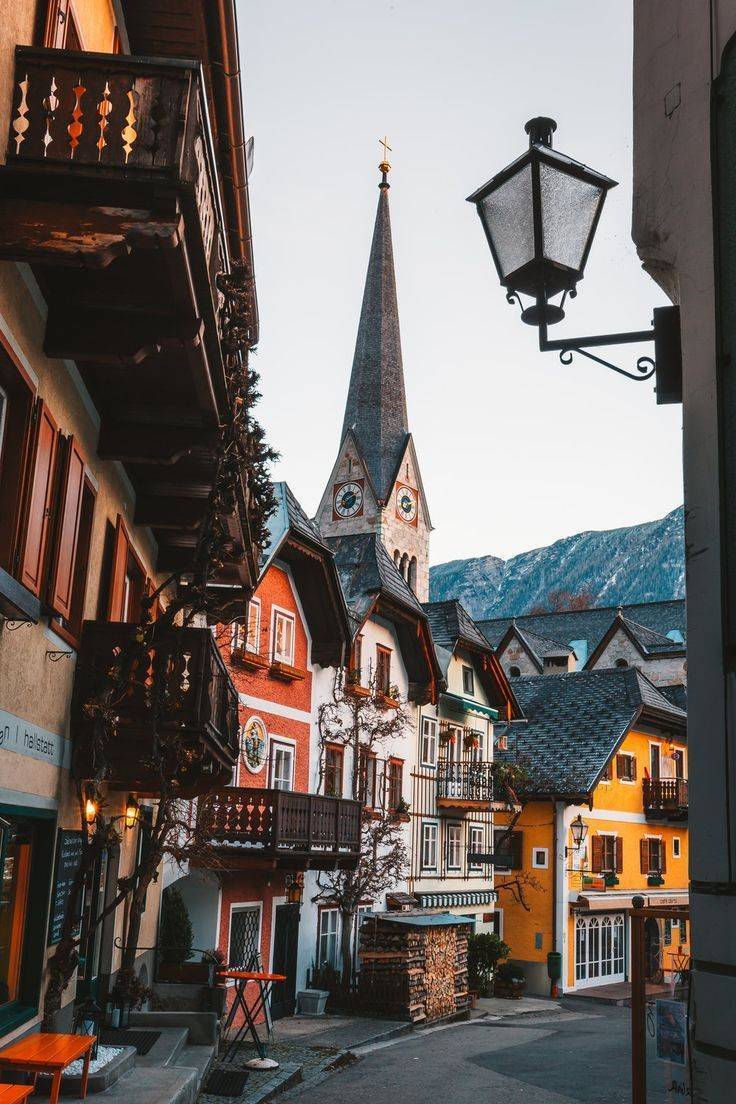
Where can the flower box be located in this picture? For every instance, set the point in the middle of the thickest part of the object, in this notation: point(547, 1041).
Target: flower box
point(355, 690)
point(285, 672)
point(385, 701)
point(250, 661)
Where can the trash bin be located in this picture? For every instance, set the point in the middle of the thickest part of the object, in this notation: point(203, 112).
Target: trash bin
point(554, 965)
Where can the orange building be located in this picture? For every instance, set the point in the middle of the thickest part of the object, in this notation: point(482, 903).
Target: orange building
point(604, 817)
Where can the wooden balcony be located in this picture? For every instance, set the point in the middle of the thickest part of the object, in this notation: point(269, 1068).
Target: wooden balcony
point(110, 193)
point(467, 784)
point(265, 828)
point(200, 713)
point(665, 798)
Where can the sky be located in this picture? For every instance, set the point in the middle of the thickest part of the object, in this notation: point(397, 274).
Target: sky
point(516, 450)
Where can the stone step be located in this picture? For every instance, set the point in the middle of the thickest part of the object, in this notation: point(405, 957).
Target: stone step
point(165, 1050)
point(198, 1058)
point(169, 1085)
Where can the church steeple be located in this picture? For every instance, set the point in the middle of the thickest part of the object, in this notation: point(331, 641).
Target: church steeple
point(376, 403)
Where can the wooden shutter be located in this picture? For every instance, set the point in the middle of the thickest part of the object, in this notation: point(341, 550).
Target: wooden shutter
point(621, 770)
point(662, 857)
point(632, 767)
point(115, 611)
point(619, 856)
point(596, 862)
point(517, 844)
point(644, 855)
point(38, 516)
point(61, 579)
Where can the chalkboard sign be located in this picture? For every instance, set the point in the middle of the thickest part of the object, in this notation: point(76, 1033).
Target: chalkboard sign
point(68, 858)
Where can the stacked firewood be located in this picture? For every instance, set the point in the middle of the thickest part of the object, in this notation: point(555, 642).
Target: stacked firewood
point(412, 972)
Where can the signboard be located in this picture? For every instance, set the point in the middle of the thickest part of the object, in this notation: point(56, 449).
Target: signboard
point(68, 858)
point(24, 738)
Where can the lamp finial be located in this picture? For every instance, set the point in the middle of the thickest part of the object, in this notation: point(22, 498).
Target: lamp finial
point(385, 165)
point(540, 130)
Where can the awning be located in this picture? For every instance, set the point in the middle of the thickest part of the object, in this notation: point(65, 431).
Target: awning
point(611, 902)
point(428, 920)
point(458, 900)
point(466, 705)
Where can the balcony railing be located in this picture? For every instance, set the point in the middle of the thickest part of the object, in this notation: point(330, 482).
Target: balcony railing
point(666, 797)
point(296, 829)
point(196, 740)
point(465, 783)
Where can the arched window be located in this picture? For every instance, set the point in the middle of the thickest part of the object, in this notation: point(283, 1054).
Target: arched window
point(621, 663)
point(404, 567)
point(397, 557)
point(514, 672)
point(413, 573)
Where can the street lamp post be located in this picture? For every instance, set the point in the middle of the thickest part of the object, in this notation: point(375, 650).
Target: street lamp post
point(540, 215)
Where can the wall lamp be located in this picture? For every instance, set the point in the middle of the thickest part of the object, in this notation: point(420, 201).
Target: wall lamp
point(132, 812)
point(540, 215)
point(579, 833)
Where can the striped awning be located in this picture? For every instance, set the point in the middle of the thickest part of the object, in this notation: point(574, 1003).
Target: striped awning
point(467, 705)
point(457, 900)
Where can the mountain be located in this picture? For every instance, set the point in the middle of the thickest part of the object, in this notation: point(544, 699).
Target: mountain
point(640, 563)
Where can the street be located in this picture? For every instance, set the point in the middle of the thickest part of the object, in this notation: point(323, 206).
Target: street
point(579, 1055)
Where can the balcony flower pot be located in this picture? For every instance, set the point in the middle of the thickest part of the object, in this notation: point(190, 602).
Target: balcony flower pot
point(655, 880)
point(312, 1002)
point(471, 743)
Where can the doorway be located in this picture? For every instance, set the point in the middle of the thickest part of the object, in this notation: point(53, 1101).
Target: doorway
point(285, 942)
point(652, 950)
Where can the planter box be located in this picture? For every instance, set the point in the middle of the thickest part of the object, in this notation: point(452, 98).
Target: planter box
point(251, 661)
point(385, 701)
point(355, 690)
point(312, 1002)
point(509, 990)
point(285, 672)
point(187, 973)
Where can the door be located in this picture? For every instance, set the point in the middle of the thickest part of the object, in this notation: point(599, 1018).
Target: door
point(652, 950)
point(285, 940)
point(599, 950)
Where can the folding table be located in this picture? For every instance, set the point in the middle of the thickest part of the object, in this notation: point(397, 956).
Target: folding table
point(250, 1012)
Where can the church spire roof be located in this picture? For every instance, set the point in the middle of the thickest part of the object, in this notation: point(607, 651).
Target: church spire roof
point(376, 403)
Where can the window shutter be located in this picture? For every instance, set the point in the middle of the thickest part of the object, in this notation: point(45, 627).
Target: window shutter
point(621, 766)
point(596, 863)
point(619, 855)
point(37, 527)
point(61, 579)
point(517, 850)
point(115, 611)
point(662, 857)
point(644, 855)
point(632, 761)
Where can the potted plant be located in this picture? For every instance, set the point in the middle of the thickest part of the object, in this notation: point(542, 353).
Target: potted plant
point(471, 741)
point(485, 951)
point(401, 812)
point(323, 981)
point(176, 938)
point(509, 982)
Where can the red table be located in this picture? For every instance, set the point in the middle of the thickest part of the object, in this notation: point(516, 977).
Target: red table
point(250, 1012)
point(48, 1053)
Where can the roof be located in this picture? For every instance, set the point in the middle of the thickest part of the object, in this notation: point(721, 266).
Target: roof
point(289, 515)
point(576, 721)
point(538, 647)
point(423, 919)
point(365, 569)
point(676, 694)
point(573, 626)
point(451, 622)
point(376, 404)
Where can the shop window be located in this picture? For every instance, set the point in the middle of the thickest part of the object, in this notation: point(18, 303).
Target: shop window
point(128, 578)
point(14, 904)
point(334, 759)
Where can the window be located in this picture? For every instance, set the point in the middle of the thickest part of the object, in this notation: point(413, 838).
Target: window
point(128, 579)
point(15, 853)
point(253, 623)
point(327, 948)
point(626, 767)
point(356, 660)
point(334, 757)
point(514, 672)
point(245, 936)
point(395, 782)
point(621, 663)
point(368, 778)
point(676, 852)
point(236, 635)
point(412, 579)
point(507, 850)
point(653, 856)
point(282, 766)
point(363, 911)
point(429, 742)
point(468, 681)
point(655, 760)
point(429, 846)
point(383, 670)
point(454, 846)
point(607, 854)
point(540, 858)
point(283, 638)
point(476, 845)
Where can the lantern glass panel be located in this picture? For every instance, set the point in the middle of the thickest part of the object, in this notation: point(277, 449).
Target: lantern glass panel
point(569, 207)
point(507, 214)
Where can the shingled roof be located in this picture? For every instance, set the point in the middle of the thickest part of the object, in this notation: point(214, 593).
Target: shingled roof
point(365, 569)
point(288, 515)
point(450, 622)
point(376, 402)
point(575, 722)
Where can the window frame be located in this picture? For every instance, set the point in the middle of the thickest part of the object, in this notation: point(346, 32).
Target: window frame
point(468, 689)
point(424, 759)
point(338, 751)
point(328, 911)
point(677, 854)
point(425, 867)
point(251, 641)
point(451, 826)
point(394, 768)
point(70, 629)
point(473, 829)
point(383, 686)
point(276, 744)
point(544, 852)
point(277, 613)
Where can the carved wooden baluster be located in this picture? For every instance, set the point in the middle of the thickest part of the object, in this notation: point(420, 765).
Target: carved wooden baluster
point(76, 126)
point(104, 107)
point(185, 681)
point(129, 133)
point(50, 106)
point(20, 122)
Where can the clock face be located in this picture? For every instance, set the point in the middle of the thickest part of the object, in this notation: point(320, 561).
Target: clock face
point(406, 503)
point(348, 500)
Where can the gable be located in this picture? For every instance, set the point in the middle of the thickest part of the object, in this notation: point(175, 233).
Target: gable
point(407, 474)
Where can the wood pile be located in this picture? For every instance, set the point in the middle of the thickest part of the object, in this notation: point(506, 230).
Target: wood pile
point(412, 972)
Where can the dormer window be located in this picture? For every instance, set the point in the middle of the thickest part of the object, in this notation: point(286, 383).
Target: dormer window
point(468, 680)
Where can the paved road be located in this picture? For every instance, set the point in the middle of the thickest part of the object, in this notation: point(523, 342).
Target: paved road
point(580, 1055)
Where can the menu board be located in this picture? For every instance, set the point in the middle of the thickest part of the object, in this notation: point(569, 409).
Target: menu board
point(68, 858)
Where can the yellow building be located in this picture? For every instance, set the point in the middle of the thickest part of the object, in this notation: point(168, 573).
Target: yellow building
point(605, 758)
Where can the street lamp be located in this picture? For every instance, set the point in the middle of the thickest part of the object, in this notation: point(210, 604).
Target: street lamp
point(579, 833)
point(540, 215)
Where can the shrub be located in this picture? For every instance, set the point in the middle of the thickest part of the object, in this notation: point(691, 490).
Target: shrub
point(485, 950)
point(507, 971)
point(175, 933)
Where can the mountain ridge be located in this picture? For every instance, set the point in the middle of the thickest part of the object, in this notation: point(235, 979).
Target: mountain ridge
point(635, 563)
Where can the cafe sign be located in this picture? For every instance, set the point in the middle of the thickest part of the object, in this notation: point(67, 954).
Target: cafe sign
point(25, 738)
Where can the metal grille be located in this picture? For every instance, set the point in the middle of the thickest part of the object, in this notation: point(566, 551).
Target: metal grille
point(244, 947)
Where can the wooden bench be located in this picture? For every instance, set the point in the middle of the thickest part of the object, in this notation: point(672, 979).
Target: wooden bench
point(14, 1094)
point(45, 1053)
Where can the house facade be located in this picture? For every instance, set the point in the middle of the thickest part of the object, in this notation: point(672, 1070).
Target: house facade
point(604, 816)
point(112, 392)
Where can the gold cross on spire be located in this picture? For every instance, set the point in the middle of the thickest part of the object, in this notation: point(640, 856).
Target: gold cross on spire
point(385, 165)
point(384, 142)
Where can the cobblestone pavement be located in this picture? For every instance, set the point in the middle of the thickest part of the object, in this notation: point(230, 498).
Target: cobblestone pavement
point(297, 1061)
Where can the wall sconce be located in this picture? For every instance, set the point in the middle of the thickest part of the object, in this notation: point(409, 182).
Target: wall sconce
point(540, 215)
point(132, 812)
point(91, 807)
point(579, 833)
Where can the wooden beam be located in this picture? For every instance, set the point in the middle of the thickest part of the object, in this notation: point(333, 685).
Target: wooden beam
point(107, 336)
point(142, 443)
point(169, 512)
